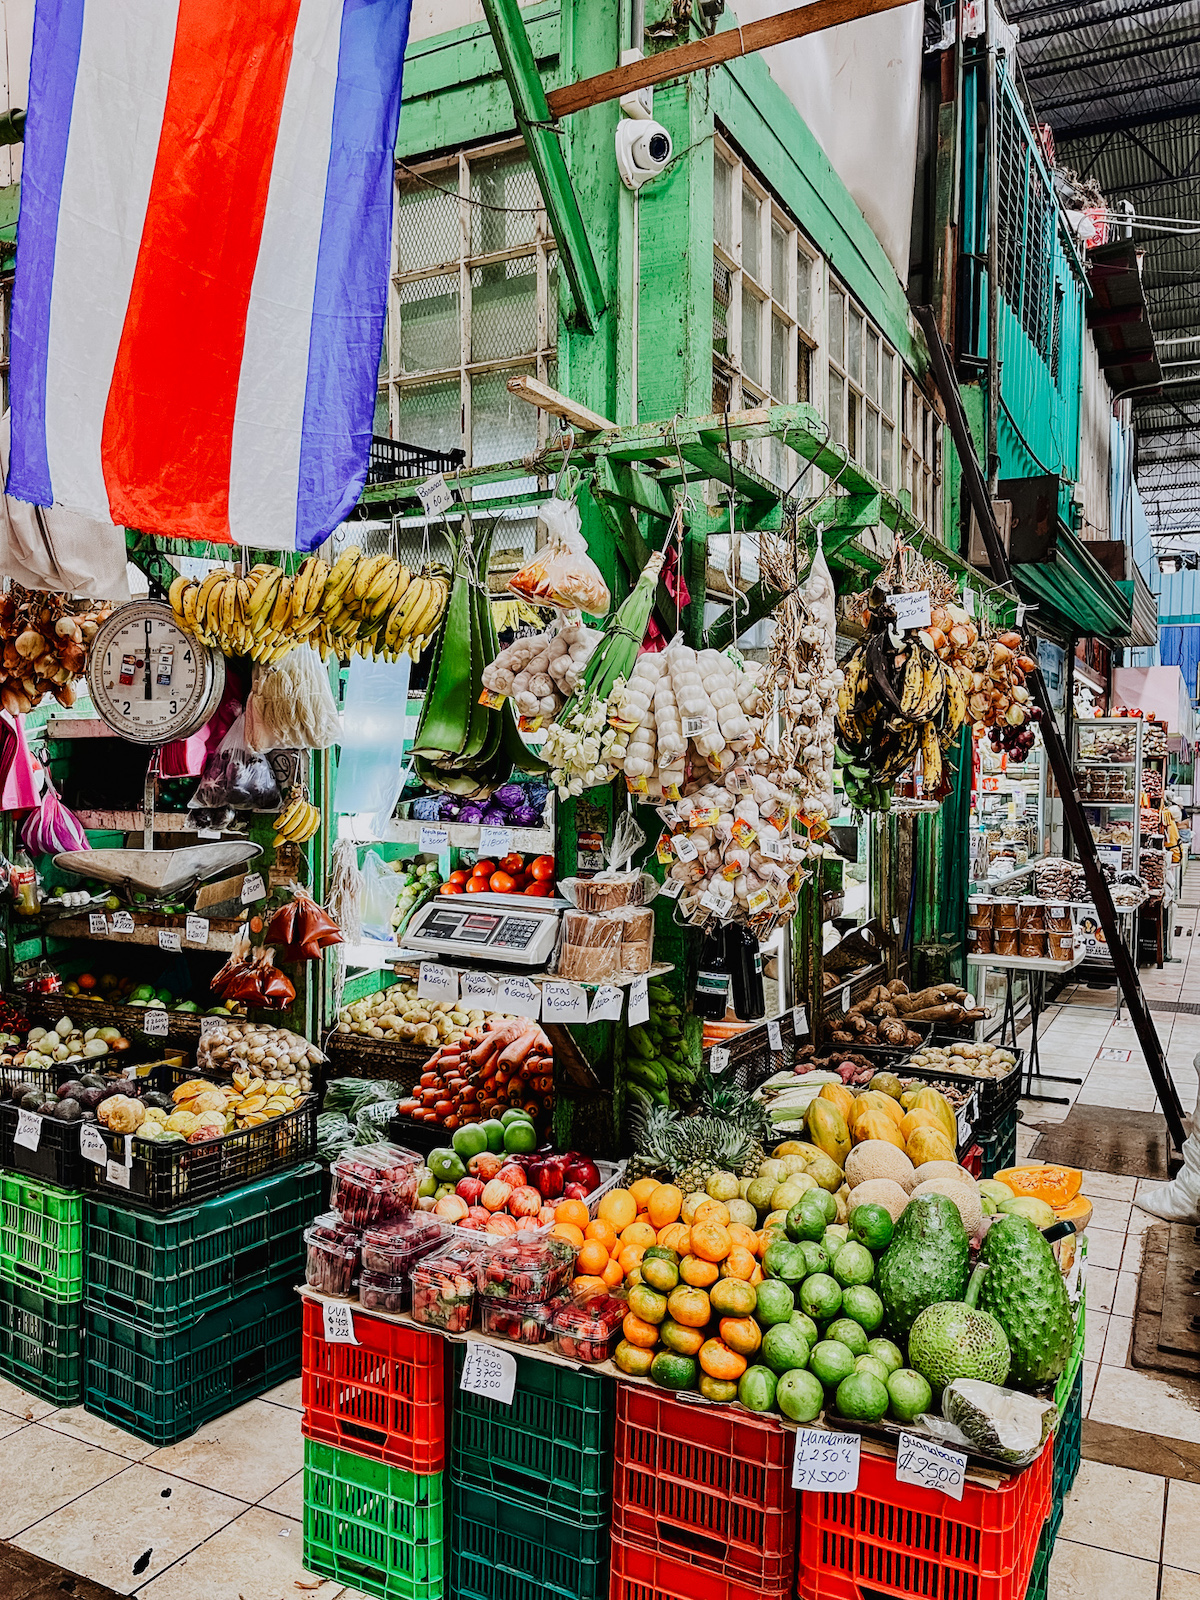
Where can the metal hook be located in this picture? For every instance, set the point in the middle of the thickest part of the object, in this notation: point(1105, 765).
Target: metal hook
point(562, 471)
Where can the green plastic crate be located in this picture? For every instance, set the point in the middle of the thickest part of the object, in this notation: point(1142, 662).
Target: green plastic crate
point(41, 1237)
point(551, 1449)
point(1039, 1577)
point(41, 1344)
point(503, 1551)
point(998, 1145)
point(163, 1387)
point(163, 1272)
point(374, 1527)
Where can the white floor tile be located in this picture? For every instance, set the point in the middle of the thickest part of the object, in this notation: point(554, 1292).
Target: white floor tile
point(1116, 1509)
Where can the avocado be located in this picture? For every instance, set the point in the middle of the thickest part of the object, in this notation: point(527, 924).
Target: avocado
point(32, 1101)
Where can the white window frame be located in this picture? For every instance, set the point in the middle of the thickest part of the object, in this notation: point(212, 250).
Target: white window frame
point(850, 429)
point(920, 454)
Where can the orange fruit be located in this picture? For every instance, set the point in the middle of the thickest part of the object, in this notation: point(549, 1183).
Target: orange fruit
point(697, 1272)
point(632, 1279)
point(689, 1306)
point(618, 1208)
point(742, 1235)
point(612, 1275)
point(642, 1334)
point(664, 1205)
point(711, 1241)
point(683, 1341)
point(569, 1232)
point(629, 1257)
point(603, 1231)
point(712, 1211)
point(757, 1276)
point(592, 1257)
point(739, 1263)
point(741, 1334)
point(587, 1285)
point(675, 1237)
point(642, 1190)
point(719, 1361)
point(572, 1211)
point(639, 1233)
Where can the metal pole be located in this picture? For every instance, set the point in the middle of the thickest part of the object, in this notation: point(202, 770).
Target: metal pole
point(993, 259)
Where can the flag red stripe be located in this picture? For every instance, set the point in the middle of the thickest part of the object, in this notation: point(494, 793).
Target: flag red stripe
point(168, 424)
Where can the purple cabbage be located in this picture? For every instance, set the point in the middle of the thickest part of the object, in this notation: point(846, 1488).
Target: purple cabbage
point(525, 817)
point(427, 808)
point(449, 808)
point(494, 817)
point(509, 796)
point(470, 814)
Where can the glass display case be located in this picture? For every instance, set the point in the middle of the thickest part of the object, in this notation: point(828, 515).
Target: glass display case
point(1106, 760)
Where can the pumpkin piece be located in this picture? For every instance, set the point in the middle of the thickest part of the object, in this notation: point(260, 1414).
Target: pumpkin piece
point(1055, 1185)
point(1077, 1210)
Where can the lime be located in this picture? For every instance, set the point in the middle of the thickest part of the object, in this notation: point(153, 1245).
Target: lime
point(864, 1305)
point(815, 1255)
point(820, 1297)
point(853, 1264)
point(873, 1365)
point(862, 1396)
point(807, 1219)
point(756, 1389)
point(799, 1395)
point(784, 1347)
point(890, 1354)
point(871, 1225)
point(806, 1326)
point(848, 1333)
point(908, 1394)
point(775, 1303)
point(831, 1362)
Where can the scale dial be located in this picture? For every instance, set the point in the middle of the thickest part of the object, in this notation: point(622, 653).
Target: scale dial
point(149, 679)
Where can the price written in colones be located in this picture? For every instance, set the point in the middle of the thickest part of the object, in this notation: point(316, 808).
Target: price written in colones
point(930, 1466)
point(826, 1460)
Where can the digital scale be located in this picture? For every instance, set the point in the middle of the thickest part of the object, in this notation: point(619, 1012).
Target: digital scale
point(503, 929)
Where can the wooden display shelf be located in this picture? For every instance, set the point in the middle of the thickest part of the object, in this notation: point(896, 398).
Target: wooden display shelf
point(465, 835)
point(221, 931)
point(90, 1011)
point(135, 822)
point(407, 967)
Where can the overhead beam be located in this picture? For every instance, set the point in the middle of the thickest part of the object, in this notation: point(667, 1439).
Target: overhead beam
point(545, 153)
point(701, 54)
point(1052, 67)
point(1059, 7)
point(1129, 119)
point(1113, 91)
point(555, 404)
point(1118, 317)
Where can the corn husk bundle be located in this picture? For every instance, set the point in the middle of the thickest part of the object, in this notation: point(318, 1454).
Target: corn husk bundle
point(46, 642)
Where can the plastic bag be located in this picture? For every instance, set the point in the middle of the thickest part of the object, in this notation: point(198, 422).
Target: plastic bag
point(381, 890)
point(53, 827)
point(291, 705)
point(562, 573)
point(19, 788)
point(989, 1420)
point(236, 776)
point(370, 774)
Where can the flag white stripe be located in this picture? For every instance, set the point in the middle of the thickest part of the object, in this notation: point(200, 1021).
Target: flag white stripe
point(116, 118)
point(268, 423)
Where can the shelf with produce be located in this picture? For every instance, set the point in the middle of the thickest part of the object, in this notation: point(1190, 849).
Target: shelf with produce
point(135, 822)
point(221, 932)
point(465, 835)
point(94, 1011)
point(1098, 761)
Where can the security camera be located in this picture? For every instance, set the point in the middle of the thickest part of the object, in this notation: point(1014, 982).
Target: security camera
point(643, 151)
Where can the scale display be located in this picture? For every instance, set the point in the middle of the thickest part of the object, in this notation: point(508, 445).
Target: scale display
point(517, 937)
point(149, 679)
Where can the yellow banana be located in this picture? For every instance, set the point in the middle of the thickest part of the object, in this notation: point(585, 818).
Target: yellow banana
point(365, 575)
point(189, 608)
point(175, 593)
point(341, 574)
point(931, 757)
point(264, 595)
point(281, 610)
point(212, 582)
point(316, 585)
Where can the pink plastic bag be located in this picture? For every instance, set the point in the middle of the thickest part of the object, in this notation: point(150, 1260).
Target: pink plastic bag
point(53, 827)
point(18, 782)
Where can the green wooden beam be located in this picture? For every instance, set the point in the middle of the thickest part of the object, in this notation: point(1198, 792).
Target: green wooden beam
point(541, 140)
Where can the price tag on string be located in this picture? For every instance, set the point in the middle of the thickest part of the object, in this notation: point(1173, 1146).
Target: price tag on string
point(639, 1001)
point(495, 841)
point(930, 1466)
point(606, 1004)
point(476, 986)
point(435, 982)
point(435, 495)
point(29, 1129)
point(684, 848)
point(845, 999)
point(156, 1023)
point(489, 1372)
point(169, 939)
point(92, 1146)
point(338, 1322)
point(122, 922)
point(774, 1036)
point(434, 839)
point(799, 1020)
point(117, 1173)
point(718, 1058)
point(519, 998)
point(564, 1002)
point(196, 931)
point(828, 1461)
point(672, 888)
point(968, 601)
point(896, 926)
point(912, 610)
point(253, 888)
point(97, 922)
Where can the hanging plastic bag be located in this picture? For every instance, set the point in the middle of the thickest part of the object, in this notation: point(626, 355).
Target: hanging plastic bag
point(562, 573)
point(19, 789)
point(52, 827)
point(237, 777)
point(381, 890)
point(185, 758)
point(370, 774)
point(291, 705)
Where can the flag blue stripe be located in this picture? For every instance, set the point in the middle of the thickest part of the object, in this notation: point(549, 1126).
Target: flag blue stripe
point(353, 268)
point(57, 31)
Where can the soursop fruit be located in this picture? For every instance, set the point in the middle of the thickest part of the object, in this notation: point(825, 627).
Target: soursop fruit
point(925, 1263)
point(998, 1422)
point(951, 1340)
point(1024, 1290)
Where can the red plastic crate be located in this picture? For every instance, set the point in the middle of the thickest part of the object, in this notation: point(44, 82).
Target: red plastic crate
point(642, 1574)
point(707, 1484)
point(383, 1397)
point(973, 1161)
point(890, 1538)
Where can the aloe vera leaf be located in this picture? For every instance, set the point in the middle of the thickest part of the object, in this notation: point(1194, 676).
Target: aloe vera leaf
point(445, 715)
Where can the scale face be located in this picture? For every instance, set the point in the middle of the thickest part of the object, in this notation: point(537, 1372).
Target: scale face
point(149, 679)
point(487, 927)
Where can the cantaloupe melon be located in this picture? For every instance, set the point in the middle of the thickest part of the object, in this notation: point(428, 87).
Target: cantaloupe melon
point(1077, 1210)
point(878, 1158)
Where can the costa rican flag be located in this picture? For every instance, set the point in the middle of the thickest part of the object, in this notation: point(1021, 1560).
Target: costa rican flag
point(204, 248)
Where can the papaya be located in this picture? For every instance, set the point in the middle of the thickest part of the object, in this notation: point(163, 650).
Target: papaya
point(873, 1100)
point(930, 1100)
point(840, 1096)
point(876, 1124)
point(1055, 1185)
point(929, 1144)
point(827, 1130)
point(919, 1119)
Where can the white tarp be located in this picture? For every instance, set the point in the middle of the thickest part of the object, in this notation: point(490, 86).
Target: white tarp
point(857, 87)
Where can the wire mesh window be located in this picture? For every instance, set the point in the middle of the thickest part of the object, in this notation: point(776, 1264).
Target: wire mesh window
point(1025, 230)
point(762, 306)
point(862, 386)
point(6, 289)
point(474, 301)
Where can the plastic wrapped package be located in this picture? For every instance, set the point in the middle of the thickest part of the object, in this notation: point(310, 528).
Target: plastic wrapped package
point(393, 1247)
point(562, 574)
point(383, 1291)
point(374, 1183)
point(530, 1270)
point(587, 1327)
point(332, 1253)
point(524, 1321)
point(591, 947)
point(444, 1285)
point(291, 706)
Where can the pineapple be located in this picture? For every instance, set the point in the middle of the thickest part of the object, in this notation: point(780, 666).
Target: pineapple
point(653, 1142)
point(724, 1133)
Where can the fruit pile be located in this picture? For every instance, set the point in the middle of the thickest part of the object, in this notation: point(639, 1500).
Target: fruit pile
point(297, 822)
point(419, 882)
point(836, 1116)
point(513, 874)
point(399, 1013)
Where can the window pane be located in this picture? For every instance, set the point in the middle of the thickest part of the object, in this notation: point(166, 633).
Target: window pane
point(429, 324)
point(804, 291)
point(888, 385)
point(427, 225)
point(780, 252)
point(853, 434)
point(381, 422)
point(751, 336)
point(837, 408)
point(552, 282)
point(507, 182)
point(430, 414)
point(871, 375)
point(504, 309)
point(779, 358)
point(886, 454)
point(722, 282)
point(502, 427)
point(837, 322)
point(751, 242)
point(856, 343)
point(723, 204)
point(803, 372)
point(872, 439)
point(774, 464)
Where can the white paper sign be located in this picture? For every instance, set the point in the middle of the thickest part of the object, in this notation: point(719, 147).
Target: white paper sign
point(117, 1173)
point(671, 887)
point(196, 931)
point(606, 1004)
point(930, 1466)
point(92, 1146)
point(494, 841)
point(912, 610)
point(896, 926)
point(639, 1001)
point(210, 1025)
point(339, 1322)
point(774, 1036)
point(435, 495)
point(122, 922)
point(490, 1372)
point(799, 1021)
point(718, 1058)
point(169, 939)
point(845, 1000)
point(97, 922)
point(968, 601)
point(476, 986)
point(29, 1129)
point(156, 1023)
point(253, 888)
point(965, 1124)
point(1111, 1053)
point(564, 1002)
point(519, 997)
point(434, 839)
point(435, 982)
point(826, 1461)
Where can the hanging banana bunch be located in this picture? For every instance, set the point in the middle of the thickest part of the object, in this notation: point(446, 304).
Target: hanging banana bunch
point(898, 701)
point(372, 606)
point(297, 822)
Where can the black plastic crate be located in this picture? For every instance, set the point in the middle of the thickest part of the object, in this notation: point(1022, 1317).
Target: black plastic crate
point(391, 459)
point(997, 1096)
point(56, 1159)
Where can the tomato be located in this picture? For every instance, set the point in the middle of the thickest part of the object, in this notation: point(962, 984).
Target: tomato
point(458, 877)
point(451, 888)
point(501, 883)
point(483, 869)
point(542, 890)
point(477, 886)
point(513, 862)
point(542, 870)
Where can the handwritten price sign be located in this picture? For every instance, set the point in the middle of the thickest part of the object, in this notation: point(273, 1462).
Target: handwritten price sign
point(930, 1466)
point(489, 1372)
point(826, 1461)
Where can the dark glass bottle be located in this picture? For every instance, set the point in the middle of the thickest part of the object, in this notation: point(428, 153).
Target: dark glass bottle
point(713, 978)
point(745, 966)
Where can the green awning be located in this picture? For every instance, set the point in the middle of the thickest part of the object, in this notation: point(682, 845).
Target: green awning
point(1073, 585)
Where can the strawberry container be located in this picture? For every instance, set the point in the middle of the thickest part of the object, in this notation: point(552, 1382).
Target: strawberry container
point(374, 1183)
point(588, 1327)
point(523, 1321)
point(531, 1271)
point(393, 1247)
point(444, 1286)
point(331, 1262)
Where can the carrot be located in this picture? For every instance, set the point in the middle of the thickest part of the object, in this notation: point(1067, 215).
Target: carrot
point(520, 1047)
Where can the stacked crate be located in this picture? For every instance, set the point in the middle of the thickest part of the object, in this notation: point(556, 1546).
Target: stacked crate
point(41, 1288)
point(703, 1507)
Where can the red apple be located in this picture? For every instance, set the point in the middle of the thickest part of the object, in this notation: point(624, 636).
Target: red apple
point(525, 1202)
point(495, 1195)
point(575, 1191)
point(513, 1174)
point(485, 1166)
point(583, 1170)
point(452, 1207)
point(470, 1189)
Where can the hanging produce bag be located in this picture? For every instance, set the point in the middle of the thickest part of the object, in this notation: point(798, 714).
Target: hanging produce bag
point(562, 574)
point(369, 774)
point(291, 705)
point(19, 787)
point(52, 827)
point(381, 890)
point(237, 777)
